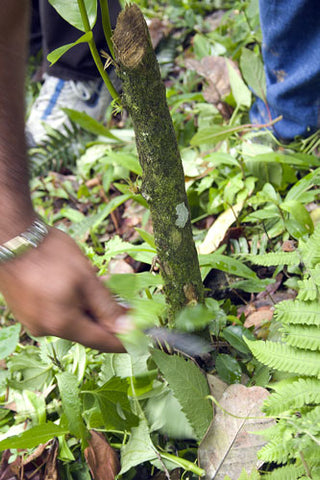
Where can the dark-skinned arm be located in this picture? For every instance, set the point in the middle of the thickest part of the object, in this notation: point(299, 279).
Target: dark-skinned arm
point(51, 289)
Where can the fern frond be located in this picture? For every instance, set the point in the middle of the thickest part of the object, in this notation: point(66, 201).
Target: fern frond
point(292, 395)
point(298, 312)
point(285, 358)
point(276, 451)
point(60, 149)
point(289, 472)
point(310, 250)
point(300, 336)
point(273, 259)
point(308, 290)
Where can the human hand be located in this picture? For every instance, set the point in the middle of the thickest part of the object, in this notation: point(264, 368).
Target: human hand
point(53, 290)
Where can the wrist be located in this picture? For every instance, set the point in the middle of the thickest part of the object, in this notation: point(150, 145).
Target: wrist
point(30, 238)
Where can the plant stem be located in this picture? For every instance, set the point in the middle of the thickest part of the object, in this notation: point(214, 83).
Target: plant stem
point(95, 53)
point(182, 462)
point(163, 183)
point(106, 24)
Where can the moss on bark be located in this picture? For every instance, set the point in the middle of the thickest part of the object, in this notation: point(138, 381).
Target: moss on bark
point(163, 183)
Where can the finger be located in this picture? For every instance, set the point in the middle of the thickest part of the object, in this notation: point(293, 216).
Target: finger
point(104, 308)
point(84, 330)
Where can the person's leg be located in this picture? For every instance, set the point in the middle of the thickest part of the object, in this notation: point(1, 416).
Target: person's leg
point(74, 81)
point(35, 41)
point(291, 46)
point(77, 64)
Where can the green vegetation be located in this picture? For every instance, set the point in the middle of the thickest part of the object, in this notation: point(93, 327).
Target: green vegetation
point(255, 218)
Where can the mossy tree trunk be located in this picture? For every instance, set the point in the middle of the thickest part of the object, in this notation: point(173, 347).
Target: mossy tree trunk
point(163, 183)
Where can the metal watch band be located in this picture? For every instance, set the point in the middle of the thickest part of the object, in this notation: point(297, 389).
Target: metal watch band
point(31, 238)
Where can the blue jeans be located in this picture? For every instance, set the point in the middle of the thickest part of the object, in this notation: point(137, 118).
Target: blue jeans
point(291, 53)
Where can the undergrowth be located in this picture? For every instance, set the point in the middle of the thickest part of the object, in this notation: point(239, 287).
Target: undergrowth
point(254, 211)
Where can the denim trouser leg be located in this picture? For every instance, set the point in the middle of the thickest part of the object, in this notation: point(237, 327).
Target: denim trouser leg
point(291, 53)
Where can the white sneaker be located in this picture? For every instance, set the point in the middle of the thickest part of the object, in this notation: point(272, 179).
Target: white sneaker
point(91, 97)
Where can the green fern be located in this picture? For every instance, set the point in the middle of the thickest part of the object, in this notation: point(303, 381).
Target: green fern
point(310, 250)
point(308, 290)
point(292, 394)
point(301, 337)
point(298, 312)
point(285, 358)
point(274, 259)
point(60, 150)
point(289, 472)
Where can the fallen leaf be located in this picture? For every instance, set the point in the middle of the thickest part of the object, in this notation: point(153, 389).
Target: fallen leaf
point(51, 470)
point(217, 387)
point(255, 319)
point(217, 231)
point(101, 458)
point(214, 70)
point(229, 445)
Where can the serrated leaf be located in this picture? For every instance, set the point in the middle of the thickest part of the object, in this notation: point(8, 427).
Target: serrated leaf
point(54, 56)
point(34, 436)
point(114, 404)
point(165, 415)
point(253, 72)
point(71, 13)
point(139, 448)
point(69, 391)
point(9, 339)
point(230, 445)
point(190, 388)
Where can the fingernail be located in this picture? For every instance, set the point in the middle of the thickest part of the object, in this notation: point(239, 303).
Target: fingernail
point(124, 324)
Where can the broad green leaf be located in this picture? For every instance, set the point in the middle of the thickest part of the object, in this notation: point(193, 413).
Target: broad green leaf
point(194, 318)
point(147, 237)
point(139, 448)
point(71, 13)
point(114, 404)
point(124, 159)
point(228, 368)
point(253, 72)
point(300, 215)
point(165, 415)
point(240, 91)
point(69, 391)
point(128, 285)
point(212, 135)
point(190, 388)
point(234, 333)
point(54, 56)
point(9, 339)
point(300, 188)
point(34, 436)
point(34, 374)
point(90, 124)
point(227, 264)
point(252, 285)
point(92, 222)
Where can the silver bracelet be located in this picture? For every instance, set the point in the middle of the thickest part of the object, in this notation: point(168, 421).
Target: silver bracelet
point(31, 238)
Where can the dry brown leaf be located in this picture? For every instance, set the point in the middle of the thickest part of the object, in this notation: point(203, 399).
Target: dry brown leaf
point(158, 29)
point(217, 387)
point(257, 318)
point(51, 470)
point(101, 458)
point(229, 445)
